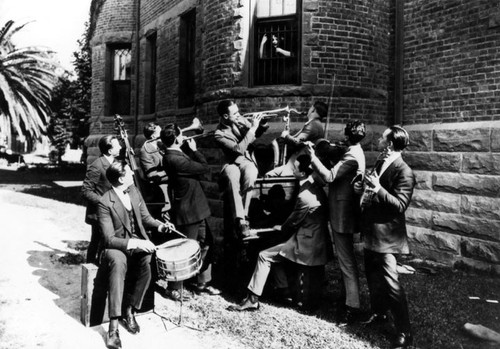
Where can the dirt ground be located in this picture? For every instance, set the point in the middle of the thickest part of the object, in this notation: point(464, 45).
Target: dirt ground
point(40, 295)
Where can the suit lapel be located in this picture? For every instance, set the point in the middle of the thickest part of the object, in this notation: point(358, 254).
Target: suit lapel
point(134, 200)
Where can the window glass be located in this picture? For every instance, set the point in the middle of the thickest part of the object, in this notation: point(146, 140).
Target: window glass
point(121, 64)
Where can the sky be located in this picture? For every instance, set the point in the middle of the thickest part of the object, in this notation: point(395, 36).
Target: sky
point(56, 24)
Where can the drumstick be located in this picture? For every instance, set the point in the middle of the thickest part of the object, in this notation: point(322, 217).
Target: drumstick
point(174, 230)
point(160, 246)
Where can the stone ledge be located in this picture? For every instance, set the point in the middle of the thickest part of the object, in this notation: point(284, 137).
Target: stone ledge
point(436, 201)
point(486, 251)
point(466, 226)
point(461, 183)
point(439, 241)
point(444, 162)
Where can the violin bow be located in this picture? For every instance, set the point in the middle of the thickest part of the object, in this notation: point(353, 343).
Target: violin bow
point(330, 99)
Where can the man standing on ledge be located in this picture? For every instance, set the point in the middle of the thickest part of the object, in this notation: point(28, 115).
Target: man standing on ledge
point(383, 227)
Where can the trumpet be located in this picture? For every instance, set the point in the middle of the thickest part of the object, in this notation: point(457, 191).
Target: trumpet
point(267, 114)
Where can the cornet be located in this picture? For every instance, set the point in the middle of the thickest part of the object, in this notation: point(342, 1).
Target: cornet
point(267, 114)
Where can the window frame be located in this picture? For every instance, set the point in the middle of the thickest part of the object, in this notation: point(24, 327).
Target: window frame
point(112, 105)
point(258, 22)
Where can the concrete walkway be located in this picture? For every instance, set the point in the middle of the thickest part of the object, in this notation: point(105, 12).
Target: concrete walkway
point(40, 296)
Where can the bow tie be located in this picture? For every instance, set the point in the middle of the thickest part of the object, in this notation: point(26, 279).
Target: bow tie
point(126, 191)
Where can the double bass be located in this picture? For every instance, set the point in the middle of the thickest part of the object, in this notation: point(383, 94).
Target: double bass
point(129, 152)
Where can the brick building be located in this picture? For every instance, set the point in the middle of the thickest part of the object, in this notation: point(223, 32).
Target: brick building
point(429, 65)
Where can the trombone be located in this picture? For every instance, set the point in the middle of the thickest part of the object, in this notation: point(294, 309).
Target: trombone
point(197, 126)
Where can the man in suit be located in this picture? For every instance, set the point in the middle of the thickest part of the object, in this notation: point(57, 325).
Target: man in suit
point(312, 131)
point(234, 134)
point(94, 185)
point(384, 231)
point(126, 255)
point(344, 213)
point(189, 206)
point(150, 159)
point(308, 245)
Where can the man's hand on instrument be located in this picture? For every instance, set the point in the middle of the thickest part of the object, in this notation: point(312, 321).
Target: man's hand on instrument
point(166, 227)
point(309, 148)
point(142, 245)
point(256, 120)
point(284, 133)
point(373, 181)
point(192, 144)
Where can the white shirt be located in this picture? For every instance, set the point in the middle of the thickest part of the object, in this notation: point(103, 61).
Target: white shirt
point(387, 162)
point(124, 198)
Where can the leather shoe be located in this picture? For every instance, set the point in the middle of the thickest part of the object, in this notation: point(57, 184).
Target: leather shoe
point(210, 290)
point(245, 305)
point(402, 340)
point(113, 340)
point(347, 316)
point(130, 323)
point(374, 319)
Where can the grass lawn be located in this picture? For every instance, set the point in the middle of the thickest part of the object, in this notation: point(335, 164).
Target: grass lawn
point(439, 303)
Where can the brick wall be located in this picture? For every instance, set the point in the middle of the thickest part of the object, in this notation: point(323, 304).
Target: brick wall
point(450, 76)
point(451, 58)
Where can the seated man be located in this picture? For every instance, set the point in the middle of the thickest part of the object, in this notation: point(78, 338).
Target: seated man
point(234, 134)
point(150, 157)
point(312, 131)
point(308, 245)
point(122, 217)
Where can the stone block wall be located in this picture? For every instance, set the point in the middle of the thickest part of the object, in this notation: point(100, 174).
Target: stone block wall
point(454, 216)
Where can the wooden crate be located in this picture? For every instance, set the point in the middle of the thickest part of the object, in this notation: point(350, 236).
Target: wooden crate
point(89, 271)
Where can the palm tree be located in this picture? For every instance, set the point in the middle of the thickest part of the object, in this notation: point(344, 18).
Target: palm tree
point(27, 77)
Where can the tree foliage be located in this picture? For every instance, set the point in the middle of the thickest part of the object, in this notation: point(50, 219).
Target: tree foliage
point(71, 101)
point(27, 78)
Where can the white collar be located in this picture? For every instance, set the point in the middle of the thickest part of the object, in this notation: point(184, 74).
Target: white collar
point(125, 199)
point(109, 158)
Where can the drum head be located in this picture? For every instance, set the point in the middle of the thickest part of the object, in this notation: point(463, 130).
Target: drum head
point(178, 249)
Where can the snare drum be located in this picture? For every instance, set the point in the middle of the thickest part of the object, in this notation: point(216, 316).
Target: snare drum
point(178, 259)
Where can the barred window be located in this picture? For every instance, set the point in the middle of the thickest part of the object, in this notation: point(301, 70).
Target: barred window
point(120, 82)
point(276, 43)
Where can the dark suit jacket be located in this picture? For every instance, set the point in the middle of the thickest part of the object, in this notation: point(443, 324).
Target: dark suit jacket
point(94, 185)
point(312, 131)
point(383, 223)
point(310, 243)
point(189, 204)
point(114, 220)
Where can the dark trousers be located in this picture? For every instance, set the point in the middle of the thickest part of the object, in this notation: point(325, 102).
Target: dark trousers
point(199, 231)
point(386, 293)
point(128, 277)
point(93, 244)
